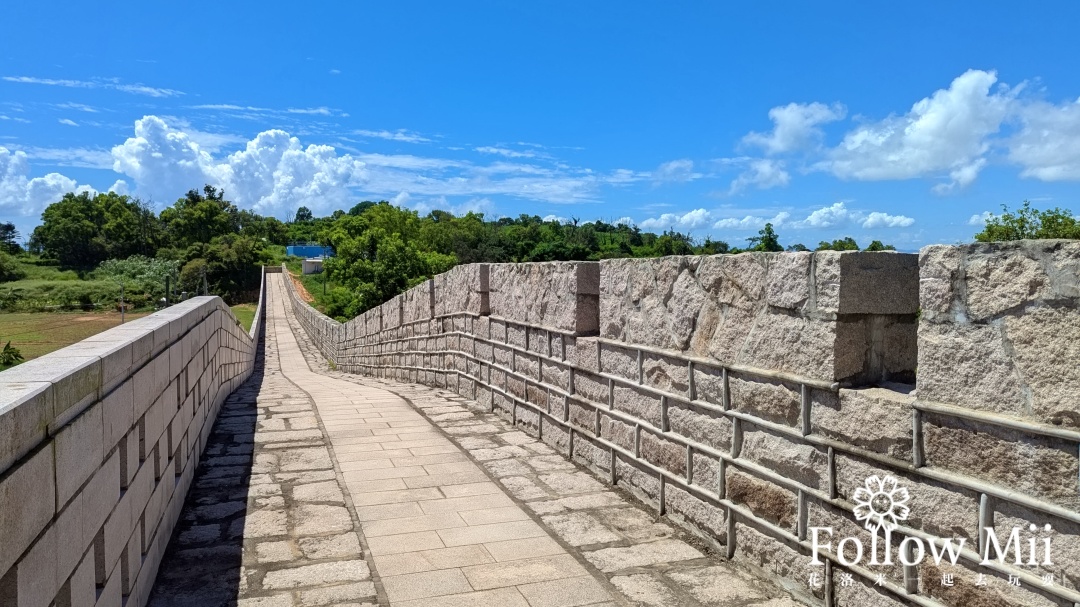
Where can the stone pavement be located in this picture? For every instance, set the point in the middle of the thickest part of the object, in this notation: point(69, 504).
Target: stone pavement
point(325, 488)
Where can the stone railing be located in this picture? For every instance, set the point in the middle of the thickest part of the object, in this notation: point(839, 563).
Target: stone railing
point(748, 397)
point(98, 445)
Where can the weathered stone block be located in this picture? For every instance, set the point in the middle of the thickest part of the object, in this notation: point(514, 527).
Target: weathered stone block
point(773, 401)
point(1035, 465)
point(877, 419)
point(79, 452)
point(868, 282)
point(937, 508)
point(765, 499)
point(25, 412)
point(27, 504)
point(969, 366)
point(788, 281)
point(705, 427)
point(560, 295)
point(799, 462)
point(1045, 344)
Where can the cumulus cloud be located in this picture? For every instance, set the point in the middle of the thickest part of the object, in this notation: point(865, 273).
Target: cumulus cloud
point(838, 215)
point(947, 132)
point(980, 219)
point(796, 126)
point(751, 222)
point(272, 174)
point(763, 173)
point(19, 194)
point(680, 170)
point(624, 221)
point(120, 187)
point(1047, 146)
point(698, 218)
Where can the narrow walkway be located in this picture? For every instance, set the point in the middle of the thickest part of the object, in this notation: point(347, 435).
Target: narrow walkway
point(450, 505)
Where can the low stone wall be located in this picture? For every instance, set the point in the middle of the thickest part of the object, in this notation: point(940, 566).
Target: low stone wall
point(98, 445)
point(749, 397)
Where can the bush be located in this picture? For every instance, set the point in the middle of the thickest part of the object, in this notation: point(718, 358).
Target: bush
point(9, 268)
point(1030, 223)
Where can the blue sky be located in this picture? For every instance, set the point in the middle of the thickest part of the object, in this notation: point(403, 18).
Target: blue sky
point(904, 123)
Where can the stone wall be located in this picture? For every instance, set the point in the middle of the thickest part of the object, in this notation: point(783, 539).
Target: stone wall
point(747, 397)
point(98, 445)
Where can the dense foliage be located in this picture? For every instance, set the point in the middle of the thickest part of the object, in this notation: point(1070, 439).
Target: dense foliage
point(1030, 223)
point(204, 242)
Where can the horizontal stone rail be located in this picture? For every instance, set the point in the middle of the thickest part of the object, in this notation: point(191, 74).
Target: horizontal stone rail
point(748, 397)
point(98, 445)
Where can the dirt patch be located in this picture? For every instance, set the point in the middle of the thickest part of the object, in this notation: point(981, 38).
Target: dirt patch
point(303, 292)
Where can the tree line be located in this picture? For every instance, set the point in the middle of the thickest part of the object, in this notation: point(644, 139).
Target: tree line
point(380, 249)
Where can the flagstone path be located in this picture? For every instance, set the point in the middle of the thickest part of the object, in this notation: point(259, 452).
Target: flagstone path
point(325, 488)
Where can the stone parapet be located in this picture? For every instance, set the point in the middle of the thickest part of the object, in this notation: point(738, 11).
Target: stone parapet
point(748, 397)
point(98, 445)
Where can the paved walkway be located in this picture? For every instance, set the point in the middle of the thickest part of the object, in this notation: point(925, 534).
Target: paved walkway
point(324, 488)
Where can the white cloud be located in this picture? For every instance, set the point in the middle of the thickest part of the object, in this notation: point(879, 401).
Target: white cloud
point(101, 83)
point(676, 170)
point(14, 118)
point(878, 219)
point(487, 149)
point(838, 215)
point(698, 218)
point(398, 135)
point(764, 173)
point(473, 205)
point(335, 72)
point(948, 132)
point(751, 222)
point(229, 107)
point(25, 196)
point(795, 127)
point(1047, 147)
point(316, 111)
point(68, 122)
point(120, 187)
point(981, 219)
point(77, 106)
point(624, 221)
point(72, 157)
point(556, 218)
point(274, 174)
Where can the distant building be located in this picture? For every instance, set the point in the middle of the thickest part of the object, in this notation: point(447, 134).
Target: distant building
point(309, 250)
point(311, 266)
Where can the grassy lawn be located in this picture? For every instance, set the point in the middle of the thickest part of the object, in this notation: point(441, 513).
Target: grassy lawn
point(37, 334)
point(245, 313)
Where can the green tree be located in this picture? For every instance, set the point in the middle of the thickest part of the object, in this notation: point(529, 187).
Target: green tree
point(766, 240)
point(9, 238)
point(797, 247)
point(1030, 223)
point(846, 243)
point(303, 215)
point(200, 217)
point(877, 245)
point(83, 230)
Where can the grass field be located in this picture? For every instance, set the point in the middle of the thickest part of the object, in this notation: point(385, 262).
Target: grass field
point(245, 313)
point(37, 334)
